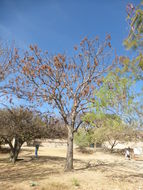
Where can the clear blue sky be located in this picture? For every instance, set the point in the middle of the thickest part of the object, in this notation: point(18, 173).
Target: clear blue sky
point(57, 25)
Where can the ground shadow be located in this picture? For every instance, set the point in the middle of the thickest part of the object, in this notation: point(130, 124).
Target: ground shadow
point(31, 169)
point(34, 169)
point(125, 177)
point(4, 150)
point(122, 170)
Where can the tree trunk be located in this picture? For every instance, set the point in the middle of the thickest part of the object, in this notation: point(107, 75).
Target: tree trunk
point(14, 155)
point(69, 157)
point(15, 149)
point(112, 146)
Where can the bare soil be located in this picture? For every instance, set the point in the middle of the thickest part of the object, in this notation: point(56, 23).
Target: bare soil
point(98, 170)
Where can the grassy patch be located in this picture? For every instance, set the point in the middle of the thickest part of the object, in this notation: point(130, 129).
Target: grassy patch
point(55, 186)
point(75, 182)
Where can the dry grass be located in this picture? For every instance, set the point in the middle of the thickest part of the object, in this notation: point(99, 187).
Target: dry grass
point(55, 186)
point(96, 171)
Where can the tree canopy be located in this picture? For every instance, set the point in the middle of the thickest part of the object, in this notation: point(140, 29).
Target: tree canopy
point(20, 125)
point(63, 82)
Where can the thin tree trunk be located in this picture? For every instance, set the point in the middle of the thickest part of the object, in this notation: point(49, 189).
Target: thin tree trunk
point(112, 146)
point(69, 158)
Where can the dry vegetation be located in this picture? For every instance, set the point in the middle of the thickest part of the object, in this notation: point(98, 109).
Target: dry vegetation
point(94, 171)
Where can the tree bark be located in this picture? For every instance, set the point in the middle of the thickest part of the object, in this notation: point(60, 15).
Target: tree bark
point(15, 149)
point(69, 157)
point(14, 155)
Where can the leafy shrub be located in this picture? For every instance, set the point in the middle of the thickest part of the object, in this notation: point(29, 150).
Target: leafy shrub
point(83, 138)
point(75, 182)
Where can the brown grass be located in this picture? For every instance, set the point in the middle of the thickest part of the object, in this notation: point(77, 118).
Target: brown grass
point(96, 171)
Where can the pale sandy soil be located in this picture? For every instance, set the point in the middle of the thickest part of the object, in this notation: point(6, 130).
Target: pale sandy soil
point(97, 171)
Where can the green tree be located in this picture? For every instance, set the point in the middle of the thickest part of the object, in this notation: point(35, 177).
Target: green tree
point(134, 41)
point(112, 130)
point(113, 114)
point(116, 95)
point(135, 20)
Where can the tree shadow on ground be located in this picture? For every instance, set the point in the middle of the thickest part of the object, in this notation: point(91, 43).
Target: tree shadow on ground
point(48, 158)
point(31, 168)
point(4, 150)
point(4, 160)
point(26, 173)
point(100, 165)
point(115, 170)
point(125, 177)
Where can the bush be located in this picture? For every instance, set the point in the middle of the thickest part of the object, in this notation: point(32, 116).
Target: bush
point(75, 182)
point(83, 138)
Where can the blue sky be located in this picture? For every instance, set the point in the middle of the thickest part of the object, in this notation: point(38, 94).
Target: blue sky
point(58, 25)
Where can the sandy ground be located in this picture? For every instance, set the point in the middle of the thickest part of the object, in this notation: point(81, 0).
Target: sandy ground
point(96, 171)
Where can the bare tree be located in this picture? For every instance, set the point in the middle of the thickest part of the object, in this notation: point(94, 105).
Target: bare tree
point(55, 127)
point(66, 83)
point(6, 60)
